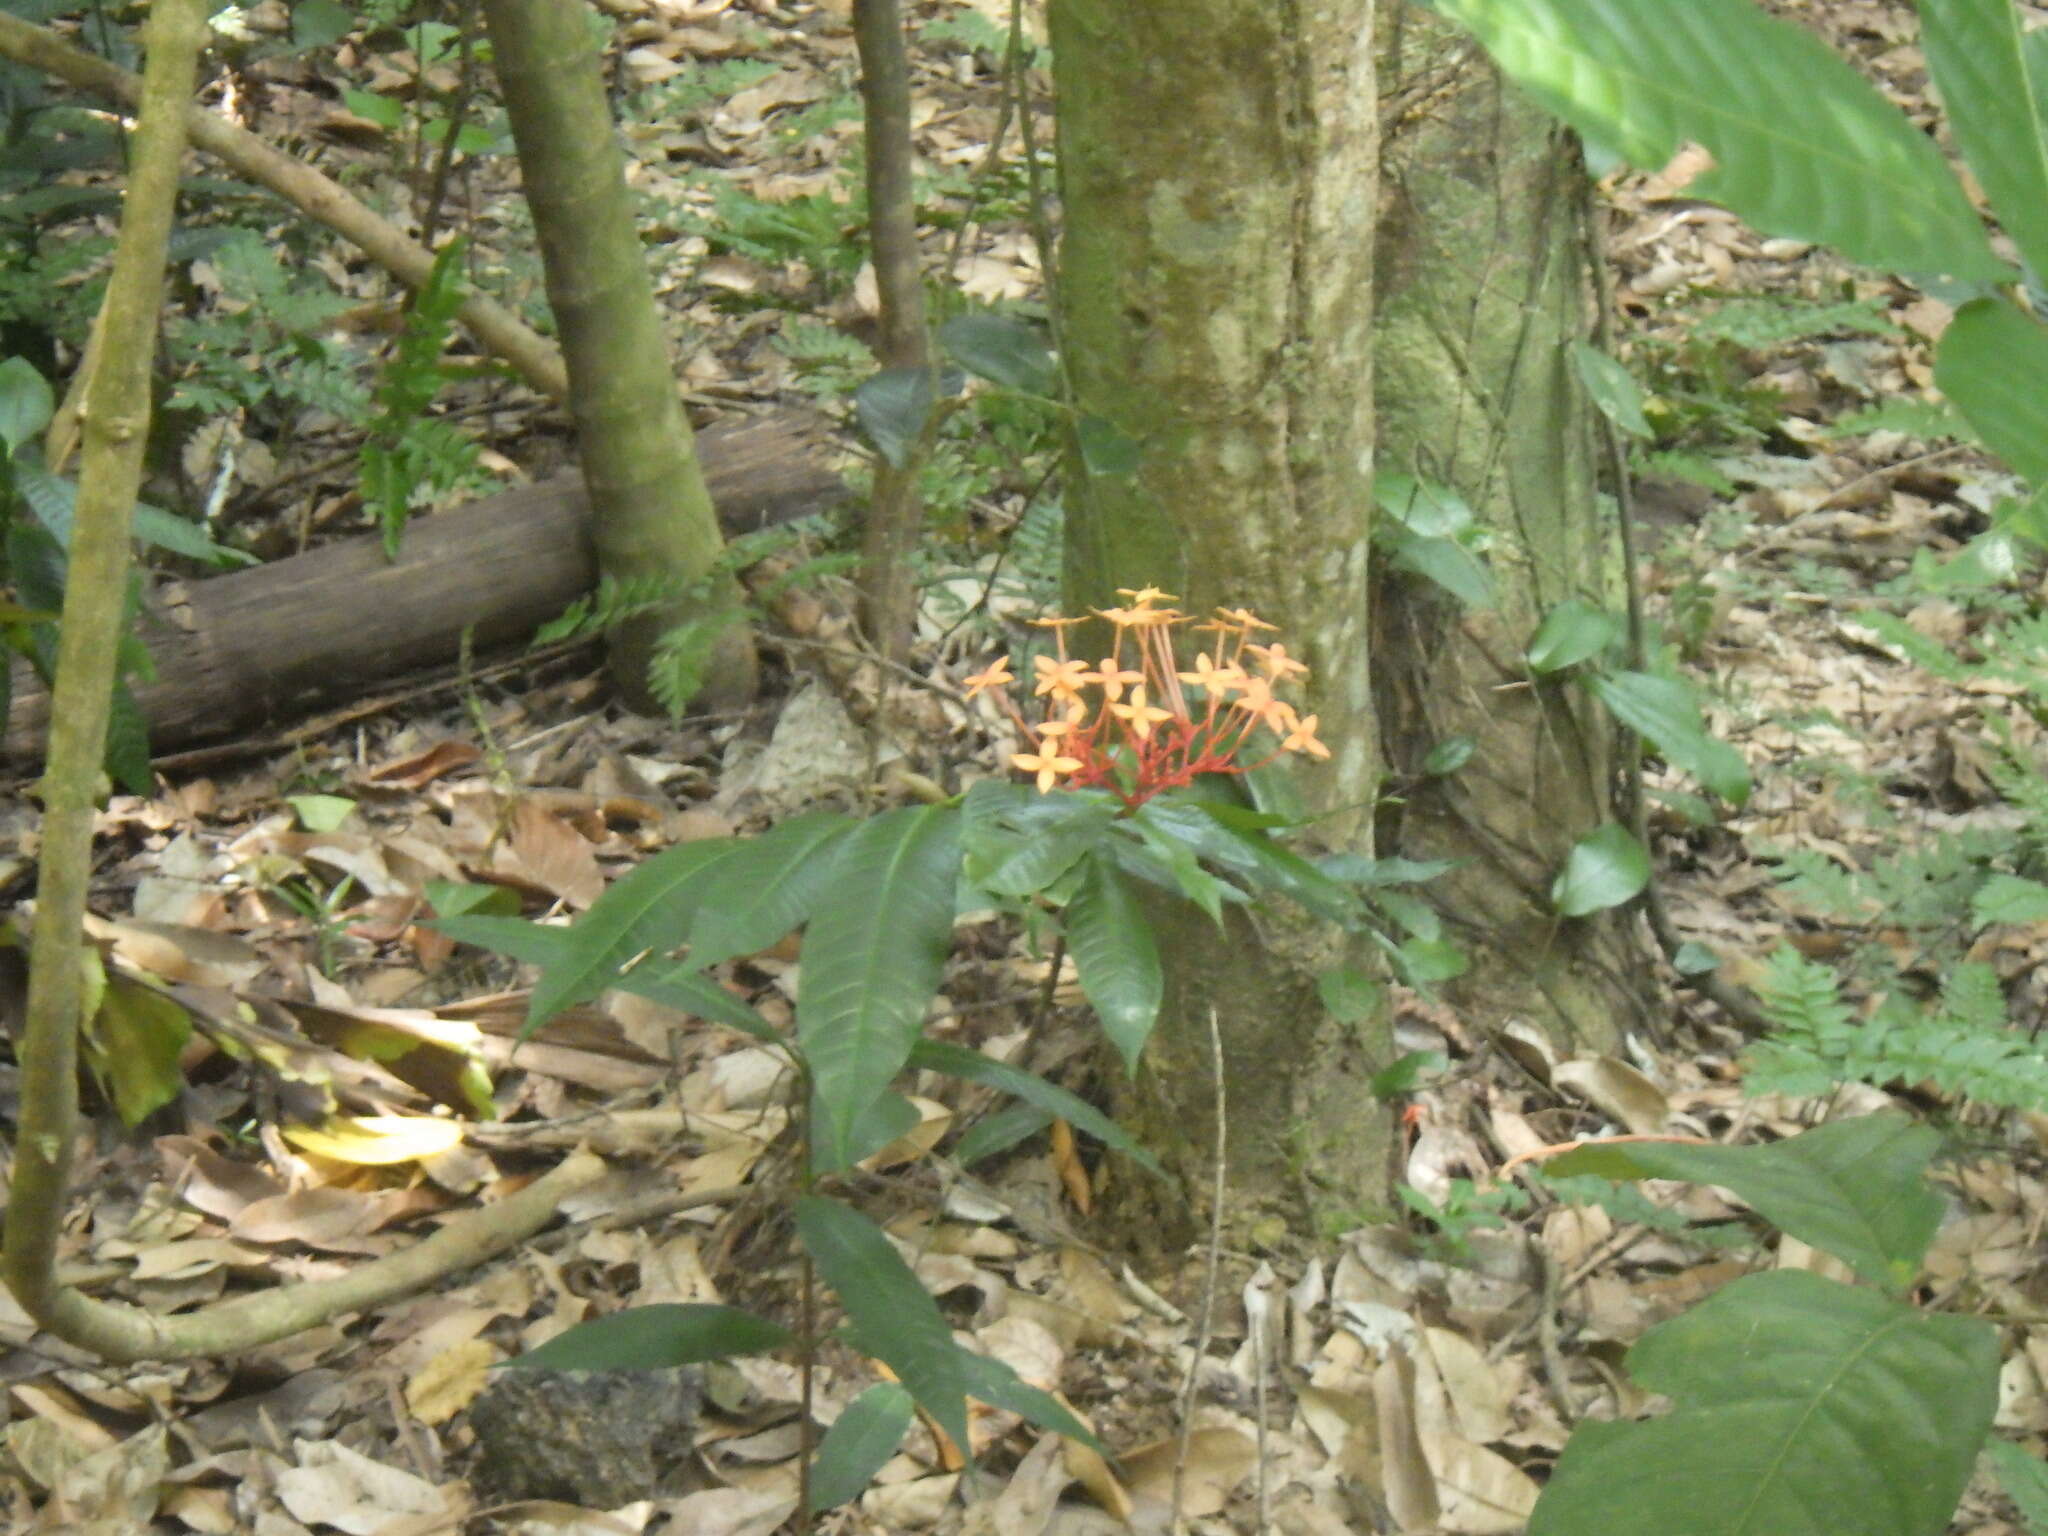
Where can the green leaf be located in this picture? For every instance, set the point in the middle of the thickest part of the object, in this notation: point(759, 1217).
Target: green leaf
point(999, 1132)
point(1694, 959)
point(872, 959)
point(1002, 349)
point(321, 813)
point(1853, 1188)
point(1664, 712)
point(1117, 957)
point(1991, 364)
point(1977, 56)
point(316, 23)
point(861, 1439)
point(1447, 563)
point(1803, 1408)
point(657, 1337)
point(1423, 507)
point(1407, 1074)
point(453, 898)
point(1349, 995)
point(386, 112)
point(1572, 632)
point(1448, 756)
point(681, 986)
point(1613, 388)
point(893, 1317)
point(767, 888)
point(649, 908)
point(2025, 1481)
point(1802, 145)
point(997, 1384)
point(1049, 1098)
point(1427, 961)
point(1028, 861)
point(1105, 450)
point(26, 403)
point(894, 405)
point(2009, 899)
point(133, 1046)
point(1605, 868)
point(1234, 837)
point(888, 1118)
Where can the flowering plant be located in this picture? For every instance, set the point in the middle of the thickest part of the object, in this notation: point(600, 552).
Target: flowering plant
point(1143, 731)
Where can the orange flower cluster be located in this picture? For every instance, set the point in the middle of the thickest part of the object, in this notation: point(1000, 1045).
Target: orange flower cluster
point(1138, 734)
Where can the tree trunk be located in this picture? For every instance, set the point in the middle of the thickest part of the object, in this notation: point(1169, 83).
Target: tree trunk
point(653, 523)
point(1482, 288)
point(1220, 165)
point(1217, 175)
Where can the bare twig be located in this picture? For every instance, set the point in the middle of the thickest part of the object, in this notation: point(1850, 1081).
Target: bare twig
point(1209, 1281)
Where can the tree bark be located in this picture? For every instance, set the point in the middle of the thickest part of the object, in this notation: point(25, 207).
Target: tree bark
point(654, 523)
point(1483, 286)
point(1217, 170)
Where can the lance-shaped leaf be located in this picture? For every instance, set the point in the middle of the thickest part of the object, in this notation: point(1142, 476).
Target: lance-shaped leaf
point(959, 1061)
point(872, 957)
point(1976, 53)
point(1990, 364)
point(1117, 957)
point(864, 1436)
point(1854, 1188)
point(1803, 1408)
point(1802, 145)
point(654, 1338)
point(767, 888)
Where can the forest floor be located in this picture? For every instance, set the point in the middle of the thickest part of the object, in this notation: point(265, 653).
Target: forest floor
point(291, 878)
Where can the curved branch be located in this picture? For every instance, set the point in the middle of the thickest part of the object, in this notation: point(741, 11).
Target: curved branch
point(531, 355)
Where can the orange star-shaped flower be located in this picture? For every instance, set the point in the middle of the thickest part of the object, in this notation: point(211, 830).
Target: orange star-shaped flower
point(1144, 597)
point(1113, 678)
point(1302, 738)
point(1047, 764)
point(1140, 716)
point(1276, 663)
point(1062, 679)
point(1218, 680)
point(995, 677)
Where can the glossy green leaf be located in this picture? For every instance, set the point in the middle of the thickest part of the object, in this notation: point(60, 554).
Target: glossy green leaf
point(657, 1337)
point(680, 985)
point(1613, 388)
point(1802, 1408)
point(1407, 1073)
point(1695, 959)
point(872, 960)
point(1666, 713)
point(893, 1317)
point(767, 888)
point(1991, 363)
point(1605, 868)
point(321, 813)
point(1052, 842)
point(1854, 1188)
point(1049, 1098)
point(455, 898)
point(1802, 145)
point(1117, 958)
point(1977, 55)
point(1234, 838)
point(999, 1132)
point(134, 1044)
point(1425, 962)
point(1572, 632)
point(996, 1383)
point(863, 1437)
point(1422, 507)
point(26, 403)
point(1002, 349)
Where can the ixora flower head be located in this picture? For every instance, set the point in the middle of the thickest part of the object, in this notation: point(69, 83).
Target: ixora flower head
point(1137, 721)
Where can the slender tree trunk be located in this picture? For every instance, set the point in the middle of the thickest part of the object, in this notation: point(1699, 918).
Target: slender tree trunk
point(1482, 289)
point(888, 588)
point(1217, 167)
point(652, 516)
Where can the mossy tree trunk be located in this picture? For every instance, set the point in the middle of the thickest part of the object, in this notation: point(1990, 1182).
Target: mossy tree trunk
point(1215, 292)
point(652, 519)
point(1220, 177)
point(1482, 289)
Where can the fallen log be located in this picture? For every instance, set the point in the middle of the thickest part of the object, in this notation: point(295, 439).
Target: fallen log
point(238, 650)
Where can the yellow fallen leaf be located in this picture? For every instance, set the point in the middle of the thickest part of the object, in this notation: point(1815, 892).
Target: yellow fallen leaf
point(374, 1140)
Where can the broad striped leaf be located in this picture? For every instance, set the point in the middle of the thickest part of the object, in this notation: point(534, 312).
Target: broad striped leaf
point(1991, 364)
point(872, 958)
point(1117, 958)
point(1802, 145)
point(1975, 53)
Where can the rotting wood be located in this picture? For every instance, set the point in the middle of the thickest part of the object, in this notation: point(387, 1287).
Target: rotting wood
point(235, 650)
